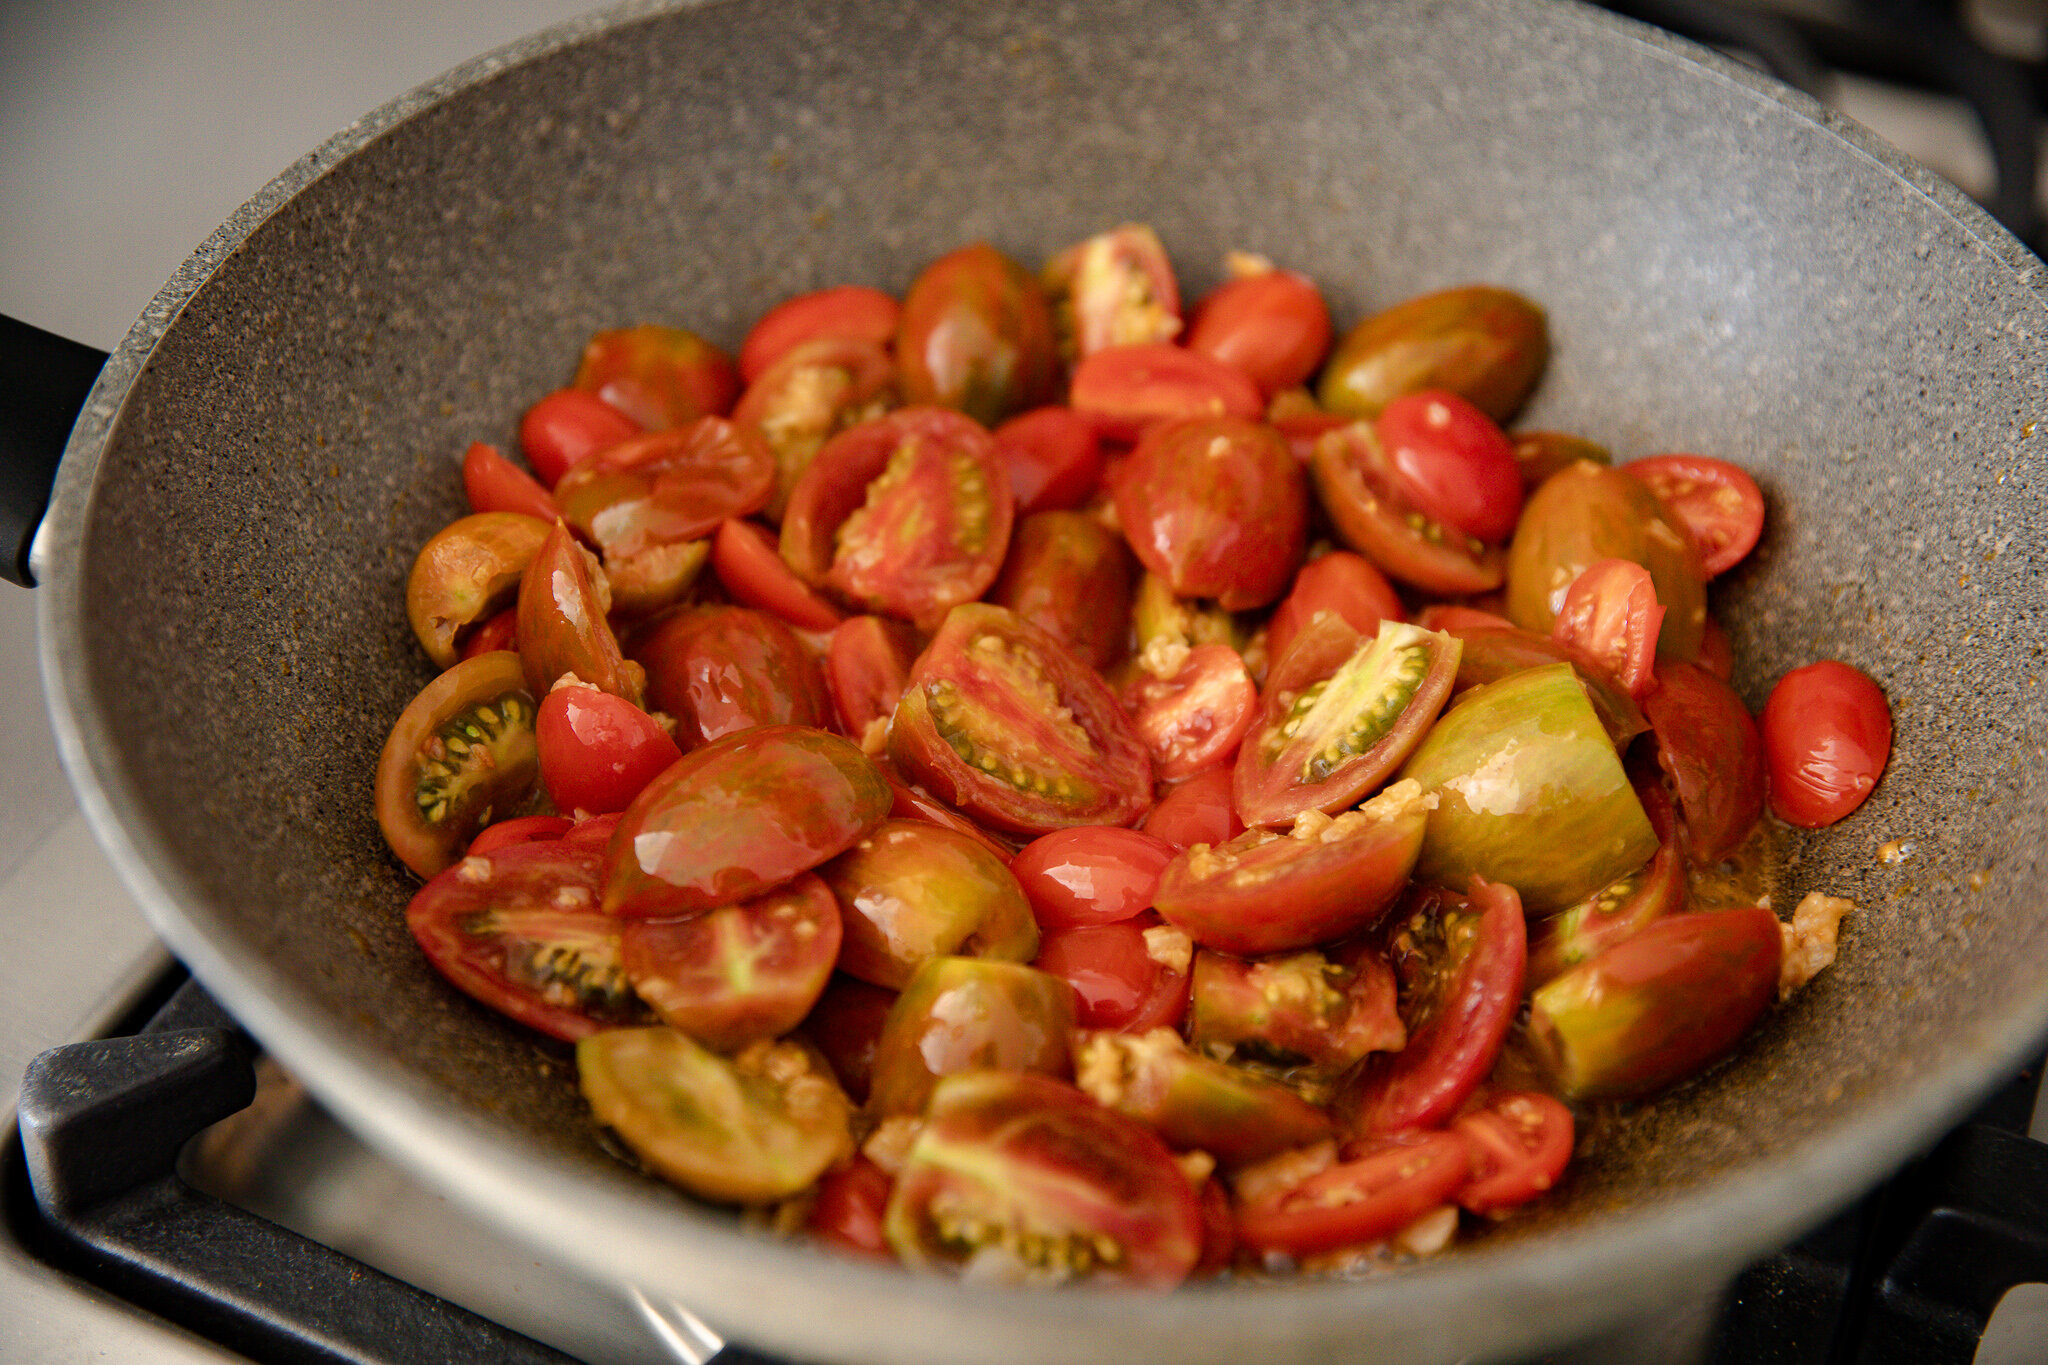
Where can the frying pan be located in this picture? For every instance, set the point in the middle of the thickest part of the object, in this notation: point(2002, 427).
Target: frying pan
point(1726, 267)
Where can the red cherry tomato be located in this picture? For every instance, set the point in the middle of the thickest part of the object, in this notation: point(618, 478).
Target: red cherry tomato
point(1827, 735)
point(720, 670)
point(500, 632)
point(494, 484)
point(867, 666)
point(1363, 497)
point(1219, 1231)
point(1117, 983)
point(1520, 1142)
point(1124, 389)
point(1113, 289)
point(667, 486)
point(845, 312)
point(744, 557)
point(1053, 456)
point(910, 803)
point(1274, 327)
point(1452, 619)
point(1714, 754)
point(566, 428)
point(1374, 1195)
point(1216, 506)
point(1194, 720)
point(526, 829)
point(1716, 654)
point(1304, 429)
point(597, 751)
point(1611, 614)
point(1198, 811)
point(1342, 582)
point(1721, 506)
point(562, 626)
point(520, 930)
point(846, 1025)
point(660, 376)
point(847, 1213)
point(1095, 874)
point(1453, 462)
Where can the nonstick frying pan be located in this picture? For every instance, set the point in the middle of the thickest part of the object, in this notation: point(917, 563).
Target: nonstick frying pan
point(1727, 269)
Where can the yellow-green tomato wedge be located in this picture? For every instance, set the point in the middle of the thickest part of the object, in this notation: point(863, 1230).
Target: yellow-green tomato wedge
point(747, 1129)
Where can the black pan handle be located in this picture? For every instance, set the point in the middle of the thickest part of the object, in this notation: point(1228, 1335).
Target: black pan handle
point(44, 380)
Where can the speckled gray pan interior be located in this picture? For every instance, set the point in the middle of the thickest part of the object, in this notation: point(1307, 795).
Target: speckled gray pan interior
point(1725, 270)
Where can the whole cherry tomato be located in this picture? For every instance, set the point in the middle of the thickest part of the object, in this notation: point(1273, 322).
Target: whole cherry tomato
point(1054, 458)
point(1095, 874)
point(596, 750)
point(1827, 734)
point(1611, 614)
point(848, 311)
point(1454, 464)
point(494, 484)
point(1125, 389)
point(1488, 344)
point(1719, 503)
point(566, 428)
point(1273, 326)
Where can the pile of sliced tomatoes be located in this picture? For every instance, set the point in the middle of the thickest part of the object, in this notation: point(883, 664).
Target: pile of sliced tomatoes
point(1017, 778)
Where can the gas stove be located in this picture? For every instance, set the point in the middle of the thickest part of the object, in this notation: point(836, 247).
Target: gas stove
point(131, 131)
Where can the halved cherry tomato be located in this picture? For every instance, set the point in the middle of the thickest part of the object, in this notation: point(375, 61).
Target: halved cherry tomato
point(1095, 874)
point(867, 666)
point(1315, 1015)
point(1197, 811)
point(1125, 389)
point(915, 803)
point(742, 973)
point(738, 817)
point(566, 428)
point(1394, 1181)
point(661, 376)
point(1264, 892)
point(847, 1214)
point(494, 484)
point(520, 930)
point(1194, 1101)
point(468, 571)
point(848, 311)
point(744, 557)
point(1827, 732)
point(597, 750)
point(1216, 506)
point(461, 755)
point(1071, 575)
point(1219, 1232)
point(845, 1024)
point(1273, 326)
point(1340, 582)
point(499, 632)
point(1520, 1141)
point(1304, 429)
point(720, 670)
point(976, 334)
point(1460, 961)
point(814, 391)
point(524, 829)
point(666, 486)
point(1002, 722)
point(1721, 506)
point(1611, 614)
point(594, 831)
point(1113, 289)
point(1194, 719)
point(1339, 715)
point(1054, 458)
point(908, 515)
point(1494, 648)
point(562, 626)
point(1356, 483)
point(910, 891)
point(960, 1014)
point(1711, 749)
point(1452, 463)
point(1717, 655)
point(1117, 983)
point(1539, 454)
point(1454, 619)
point(1623, 907)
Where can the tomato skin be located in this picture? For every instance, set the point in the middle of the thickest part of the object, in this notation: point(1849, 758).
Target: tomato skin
point(867, 666)
point(1488, 344)
point(1539, 454)
point(1372, 1196)
point(494, 484)
point(562, 626)
point(1520, 1142)
point(1117, 983)
point(1275, 327)
point(1340, 582)
point(1714, 754)
point(1303, 429)
point(1071, 575)
point(1495, 648)
point(976, 334)
point(910, 891)
point(914, 803)
point(661, 376)
point(961, 1014)
point(1827, 735)
point(520, 930)
point(720, 670)
point(1453, 463)
point(1611, 614)
point(908, 515)
point(596, 750)
point(1115, 288)
point(845, 1025)
point(1092, 875)
point(1355, 483)
point(996, 686)
point(847, 1214)
point(739, 817)
point(744, 557)
point(524, 829)
point(851, 311)
point(1194, 720)
point(1197, 811)
point(1123, 390)
point(1720, 504)
point(566, 428)
point(1461, 962)
point(1053, 456)
point(1216, 506)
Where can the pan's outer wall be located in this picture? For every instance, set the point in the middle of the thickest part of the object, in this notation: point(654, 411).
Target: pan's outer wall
point(225, 634)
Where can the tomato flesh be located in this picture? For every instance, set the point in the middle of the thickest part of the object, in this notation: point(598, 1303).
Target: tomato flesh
point(847, 311)
point(494, 484)
point(1113, 289)
point(1827, 735)
point(1721, 506)
point(1341, 582)
point(1356, 482)
point(1520, 1143)
point(1194, 720)
point(1394, 1182)
point(1611, 615)
point(1125, 389)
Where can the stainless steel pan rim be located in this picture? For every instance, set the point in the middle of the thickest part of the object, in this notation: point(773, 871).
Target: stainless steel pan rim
point(1524, 1296)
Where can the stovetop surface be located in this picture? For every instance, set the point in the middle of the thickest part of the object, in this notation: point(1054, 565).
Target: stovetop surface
point(127, 132)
